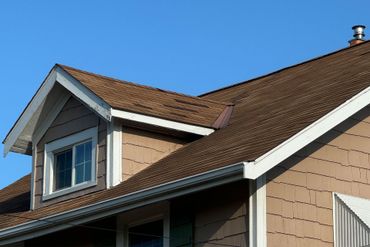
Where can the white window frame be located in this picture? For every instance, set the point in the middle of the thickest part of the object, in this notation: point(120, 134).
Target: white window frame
point(59, 145)
point(143, 216)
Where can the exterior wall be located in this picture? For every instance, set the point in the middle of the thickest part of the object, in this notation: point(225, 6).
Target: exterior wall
point(219, 216)
point(73, 118)
point(142, 148)
point(299, 190)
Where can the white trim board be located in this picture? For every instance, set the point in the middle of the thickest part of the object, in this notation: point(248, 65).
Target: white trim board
point(56, 75)
point(278, 154)
point(257, 212)
point(103, 109)
point(169, 124)
point(114, 153)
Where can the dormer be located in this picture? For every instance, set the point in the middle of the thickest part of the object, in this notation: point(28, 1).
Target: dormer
point(88, 132)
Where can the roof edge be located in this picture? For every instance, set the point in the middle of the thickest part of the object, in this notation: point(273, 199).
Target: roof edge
point(75, 217)
point(162, 122)
point(56, 75)
point(306, 136)
point(143, 86)
point(282, 69)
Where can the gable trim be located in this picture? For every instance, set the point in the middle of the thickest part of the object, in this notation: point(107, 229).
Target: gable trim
point(27, 114)
point(286, 149)
point(56, 75)
point(84, 94)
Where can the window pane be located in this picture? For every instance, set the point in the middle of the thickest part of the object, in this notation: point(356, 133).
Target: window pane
point(83, 162)
point(79, 174)
point(63, 170)
point(80, 153)
point(147, 235)
point(88, 171)
point(88, 151)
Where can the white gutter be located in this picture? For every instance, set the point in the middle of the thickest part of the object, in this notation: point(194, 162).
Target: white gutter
point(140, 198)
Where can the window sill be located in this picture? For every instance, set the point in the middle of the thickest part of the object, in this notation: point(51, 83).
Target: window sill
point(70, 190)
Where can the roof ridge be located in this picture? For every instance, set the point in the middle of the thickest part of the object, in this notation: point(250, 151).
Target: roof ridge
point(283, 69)
point(141, 85)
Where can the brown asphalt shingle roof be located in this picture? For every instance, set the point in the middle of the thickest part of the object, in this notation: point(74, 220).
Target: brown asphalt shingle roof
point(150, 101)
point(268, 111)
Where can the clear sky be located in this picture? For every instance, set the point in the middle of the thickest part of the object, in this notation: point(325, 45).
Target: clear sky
point(189, 46)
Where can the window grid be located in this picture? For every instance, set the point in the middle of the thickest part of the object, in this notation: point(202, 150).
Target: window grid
point(83, 163)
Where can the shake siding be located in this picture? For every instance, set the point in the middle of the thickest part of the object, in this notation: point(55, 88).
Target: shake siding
point(299, 190)
point(141, 148)
point(221, 216)
point(73, 118)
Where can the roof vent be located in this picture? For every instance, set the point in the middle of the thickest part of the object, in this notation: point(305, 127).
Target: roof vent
point(358, 35)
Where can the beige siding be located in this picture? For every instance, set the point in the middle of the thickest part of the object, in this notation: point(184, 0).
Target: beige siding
point(299, 191)
point(141, 148)
point(221, 216)
point(73, 118)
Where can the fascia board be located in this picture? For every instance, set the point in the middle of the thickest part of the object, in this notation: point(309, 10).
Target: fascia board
point(84, 94)
point(286, 149)
point(141, 118)
point(144, 197)
point(57, 74)
point(30, 110)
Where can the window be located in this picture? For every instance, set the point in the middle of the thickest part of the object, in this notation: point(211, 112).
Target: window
point(146, 235)
point(148, 226)
point(70, 163)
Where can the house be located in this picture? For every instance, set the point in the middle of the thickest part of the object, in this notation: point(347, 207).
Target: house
point(280, 160)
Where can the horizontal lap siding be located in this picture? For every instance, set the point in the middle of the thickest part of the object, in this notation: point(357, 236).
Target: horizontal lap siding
point(73, 118)
point(299, 190)
point(141, 148)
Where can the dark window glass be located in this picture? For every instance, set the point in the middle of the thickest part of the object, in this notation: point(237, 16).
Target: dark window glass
point(83, 162)
point(147, 235)
point(63, 170)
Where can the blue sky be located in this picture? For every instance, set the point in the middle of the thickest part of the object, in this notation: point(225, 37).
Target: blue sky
point(189, 46)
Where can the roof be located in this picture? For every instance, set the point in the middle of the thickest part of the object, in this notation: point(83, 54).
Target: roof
point(268, 111)
point(150, 101)
point(16, 197)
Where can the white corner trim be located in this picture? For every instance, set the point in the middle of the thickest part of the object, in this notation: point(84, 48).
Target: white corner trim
point(114, 153)
point(335, 237)
point(31, 109)
point(33, 169)
point(261, 212)
point(257, 212)
point(309, 134)
point(189, 128)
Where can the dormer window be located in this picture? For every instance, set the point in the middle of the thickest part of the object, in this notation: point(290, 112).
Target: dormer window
point(70, 163)
point(73, 166)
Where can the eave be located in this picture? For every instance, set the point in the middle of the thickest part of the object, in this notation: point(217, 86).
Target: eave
point(57, 222)
point(23, 133)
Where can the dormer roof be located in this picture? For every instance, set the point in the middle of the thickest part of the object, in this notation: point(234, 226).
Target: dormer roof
point(109, 98)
